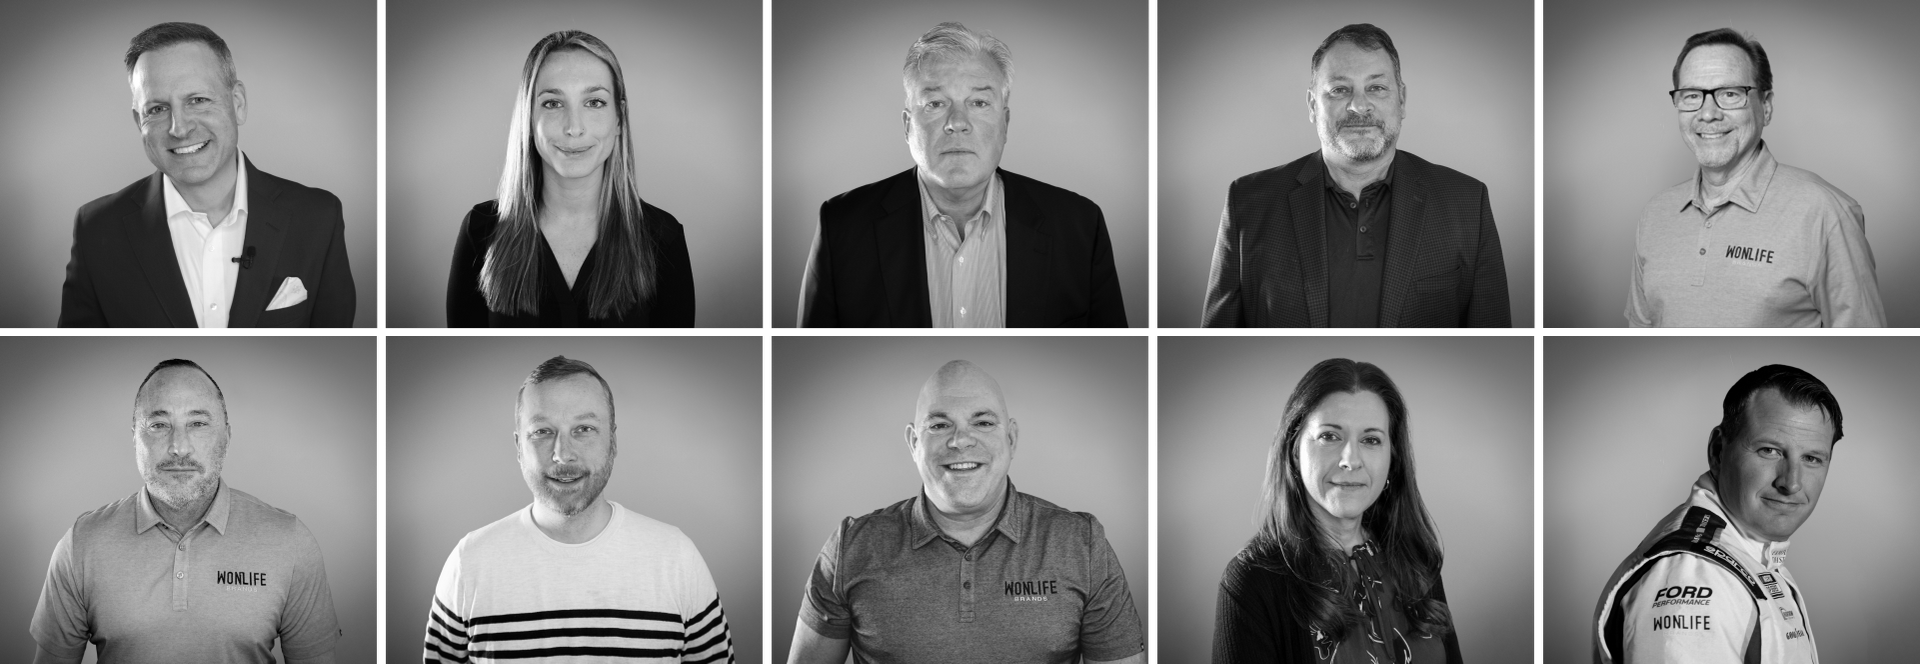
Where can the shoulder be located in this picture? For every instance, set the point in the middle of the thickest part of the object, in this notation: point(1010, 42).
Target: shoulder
point(1051, 519)
point(892, 521)
point(1803, 187)
point(509, 528)
point(117, 516)
point(861, 200)
point(1055, 200)
point(1668, 202)
point(292, 194)
point(116, 206)
point(244, 508)
point(1282, 178)
point(650, 532)
point(1246, 573)
point(1438, 176)
point(664, 222)
point(480, 221)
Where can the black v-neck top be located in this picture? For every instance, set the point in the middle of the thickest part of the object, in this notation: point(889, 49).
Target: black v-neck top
point(560, 305)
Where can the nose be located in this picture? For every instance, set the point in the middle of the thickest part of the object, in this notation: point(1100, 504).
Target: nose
point(177, 124)
point(1360, 103)
point(1787, 479)
point(175, 446)
point(573, 122)
point(1709, 110)
point(957, 121)
point(1349, 457)
point(563, 451)
point(961, 438)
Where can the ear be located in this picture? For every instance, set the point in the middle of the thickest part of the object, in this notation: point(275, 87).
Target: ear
point(136, 117)
point(906, 123)
point(1716, 441)
point(1313, 107)
point(1013, 436)
point(913, 438)
point(239, 93)
point(1766, 108)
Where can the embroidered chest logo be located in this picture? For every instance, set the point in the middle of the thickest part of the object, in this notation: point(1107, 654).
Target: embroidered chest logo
point(1773, 586)
point(1751, 254)
point(1035, 590)
point(250, 579)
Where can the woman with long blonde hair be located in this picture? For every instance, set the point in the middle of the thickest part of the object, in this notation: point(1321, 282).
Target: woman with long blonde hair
point(569, 242)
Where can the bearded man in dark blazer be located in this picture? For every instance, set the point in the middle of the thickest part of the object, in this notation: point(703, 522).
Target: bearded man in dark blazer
point(1358, 234)
point(207, 240)
point(956, 241)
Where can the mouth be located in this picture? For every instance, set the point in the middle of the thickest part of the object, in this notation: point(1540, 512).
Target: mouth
point(1782, 504)
point(1712, 135)
point(565, 479)
point(963, 466)
point(573, 152)
point(1349, 485)
point(192, 149)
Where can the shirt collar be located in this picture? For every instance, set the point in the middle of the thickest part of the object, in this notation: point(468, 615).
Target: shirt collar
point(1767, 552)
point(1383, 184)
point(929, 211)
point(1011, 522)
point(1748, 191)
point(147, 517)
point(177, 204)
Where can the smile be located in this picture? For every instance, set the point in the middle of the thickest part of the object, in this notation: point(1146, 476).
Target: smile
point(1782, 503)
point(962, 466)
point(574, 151)
point(196, 147)
point(565, 480)
point(1711, 135)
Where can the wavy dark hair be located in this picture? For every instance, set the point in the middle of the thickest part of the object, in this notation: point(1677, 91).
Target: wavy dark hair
point(1289, 540)
point(624, 278)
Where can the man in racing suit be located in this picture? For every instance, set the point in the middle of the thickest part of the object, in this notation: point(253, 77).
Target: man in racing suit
point(1710, 584)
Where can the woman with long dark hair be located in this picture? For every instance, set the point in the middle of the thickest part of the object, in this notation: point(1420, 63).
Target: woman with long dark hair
point(1344, 565)
point(569, 243)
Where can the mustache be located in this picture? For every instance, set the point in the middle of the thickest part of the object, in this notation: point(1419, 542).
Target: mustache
point(1359, 120)
point(180, 463)
point(569, 470)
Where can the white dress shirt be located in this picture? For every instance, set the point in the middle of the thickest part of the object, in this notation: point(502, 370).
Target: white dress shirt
point(966, 271)
point(206, 251)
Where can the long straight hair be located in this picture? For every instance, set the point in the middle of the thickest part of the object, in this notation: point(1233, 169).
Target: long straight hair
point(624, 277)
point(1289, 540)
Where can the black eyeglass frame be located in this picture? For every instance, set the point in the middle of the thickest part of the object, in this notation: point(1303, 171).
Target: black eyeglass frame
point(1674, 97)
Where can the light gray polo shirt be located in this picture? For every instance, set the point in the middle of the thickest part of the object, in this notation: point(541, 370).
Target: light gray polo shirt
point(1786, 249)
point(223, 591)
point(1042, 586)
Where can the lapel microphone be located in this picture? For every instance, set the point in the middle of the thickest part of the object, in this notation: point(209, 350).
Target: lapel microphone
point(245, 259)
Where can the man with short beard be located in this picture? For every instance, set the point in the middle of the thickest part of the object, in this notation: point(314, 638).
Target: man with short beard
point(574, 575)
point(1360, 233)
point(1746, 241)
point(187, 569)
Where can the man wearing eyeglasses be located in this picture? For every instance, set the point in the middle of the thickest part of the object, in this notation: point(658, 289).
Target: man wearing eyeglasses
point(1748, 241)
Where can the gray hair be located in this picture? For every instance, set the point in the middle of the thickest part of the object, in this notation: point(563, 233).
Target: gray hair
point(953, 41)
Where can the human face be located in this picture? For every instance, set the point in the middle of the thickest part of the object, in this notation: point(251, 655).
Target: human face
point(1771, 479)
point(564, 442)
point(1356, 102)
point(189, 119)
point(963, 442)
point(1721, 138)
point(576, 120)
point(956, 121)
point(179, 436)
point(1344, 454)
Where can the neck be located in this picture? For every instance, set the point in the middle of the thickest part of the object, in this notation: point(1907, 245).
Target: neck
point(1344, 533)
point(183, 516)
point(1716, 181)
point(968, 526)
point(214, 197)
point(573, 529)
point(962, 203)
point(1354, 176)
point(571, 200)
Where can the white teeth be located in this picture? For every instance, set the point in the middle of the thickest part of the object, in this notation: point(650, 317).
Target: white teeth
point(964, 466)
point(191, 148)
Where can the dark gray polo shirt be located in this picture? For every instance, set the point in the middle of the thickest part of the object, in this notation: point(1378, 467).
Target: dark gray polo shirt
point(222, 591)
point(1042, 586)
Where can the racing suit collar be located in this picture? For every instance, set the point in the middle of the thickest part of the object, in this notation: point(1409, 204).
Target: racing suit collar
point(1772, 554)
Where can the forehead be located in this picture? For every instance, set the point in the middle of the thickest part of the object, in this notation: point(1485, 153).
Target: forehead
point(957, 70)
point(1716, 63)
point(962, 396)
point(1772, 417)
point(569, 396)
point(185, 63)
point(1364, 409)
point(1347, 60)
point(572, 69)
point(175, 384)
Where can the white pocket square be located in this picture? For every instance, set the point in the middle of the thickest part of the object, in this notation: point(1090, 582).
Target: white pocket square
point(291, 293)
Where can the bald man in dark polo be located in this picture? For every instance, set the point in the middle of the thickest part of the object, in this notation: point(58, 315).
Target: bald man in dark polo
point(970, 570)
point(187, 569)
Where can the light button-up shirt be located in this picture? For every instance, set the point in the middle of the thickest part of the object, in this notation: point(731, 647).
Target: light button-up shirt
point(206, 249)
point(966, 261)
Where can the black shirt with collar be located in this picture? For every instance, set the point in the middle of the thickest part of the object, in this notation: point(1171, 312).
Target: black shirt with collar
point(1356, 250)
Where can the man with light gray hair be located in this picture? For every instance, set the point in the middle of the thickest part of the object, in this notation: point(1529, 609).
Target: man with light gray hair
point(956, 241)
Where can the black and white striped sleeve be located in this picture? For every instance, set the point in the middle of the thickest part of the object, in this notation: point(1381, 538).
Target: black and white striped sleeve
point(446, 638)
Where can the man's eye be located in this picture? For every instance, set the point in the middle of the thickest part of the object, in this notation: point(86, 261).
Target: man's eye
point(939, 426)
point(984, 424)
point(157, 426)
point(1769, 452)
point(584, 429)
point(936, 104)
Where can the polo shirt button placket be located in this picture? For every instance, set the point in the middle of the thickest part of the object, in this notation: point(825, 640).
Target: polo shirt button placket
point(966, 588)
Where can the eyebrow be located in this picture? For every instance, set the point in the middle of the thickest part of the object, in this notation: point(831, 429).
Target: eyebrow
point(162, 412)
point(943, 414)
point(556, 91)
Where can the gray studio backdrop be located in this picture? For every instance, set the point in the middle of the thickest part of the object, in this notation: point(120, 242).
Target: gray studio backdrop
point(1613, 138)
point(693, 86)
point(302, 410)
point(689, 416)
point(1233, 101)
point(1470, 405)
point(843, 404)
point(66, 110)
point(1079, 113)
point(1626, 425)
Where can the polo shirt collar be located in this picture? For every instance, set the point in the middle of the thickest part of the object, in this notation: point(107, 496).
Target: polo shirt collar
point(1749, 191)
point(147, 517)
point(1015, 516)
point(1381, 185)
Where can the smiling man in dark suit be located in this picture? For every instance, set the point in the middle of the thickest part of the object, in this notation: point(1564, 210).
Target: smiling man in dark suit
point(1358, 234)
point(956, 241)
point(208, 240)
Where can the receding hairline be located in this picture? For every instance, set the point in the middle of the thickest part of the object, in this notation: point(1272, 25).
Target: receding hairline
point(958, 372)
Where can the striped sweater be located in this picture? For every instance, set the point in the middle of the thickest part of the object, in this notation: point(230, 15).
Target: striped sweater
point(638, 590)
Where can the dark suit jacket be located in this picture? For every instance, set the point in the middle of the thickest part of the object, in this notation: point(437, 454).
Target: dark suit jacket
point(123, 272)
point(562, 305)
point(1443, 269)
point(869, 262)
